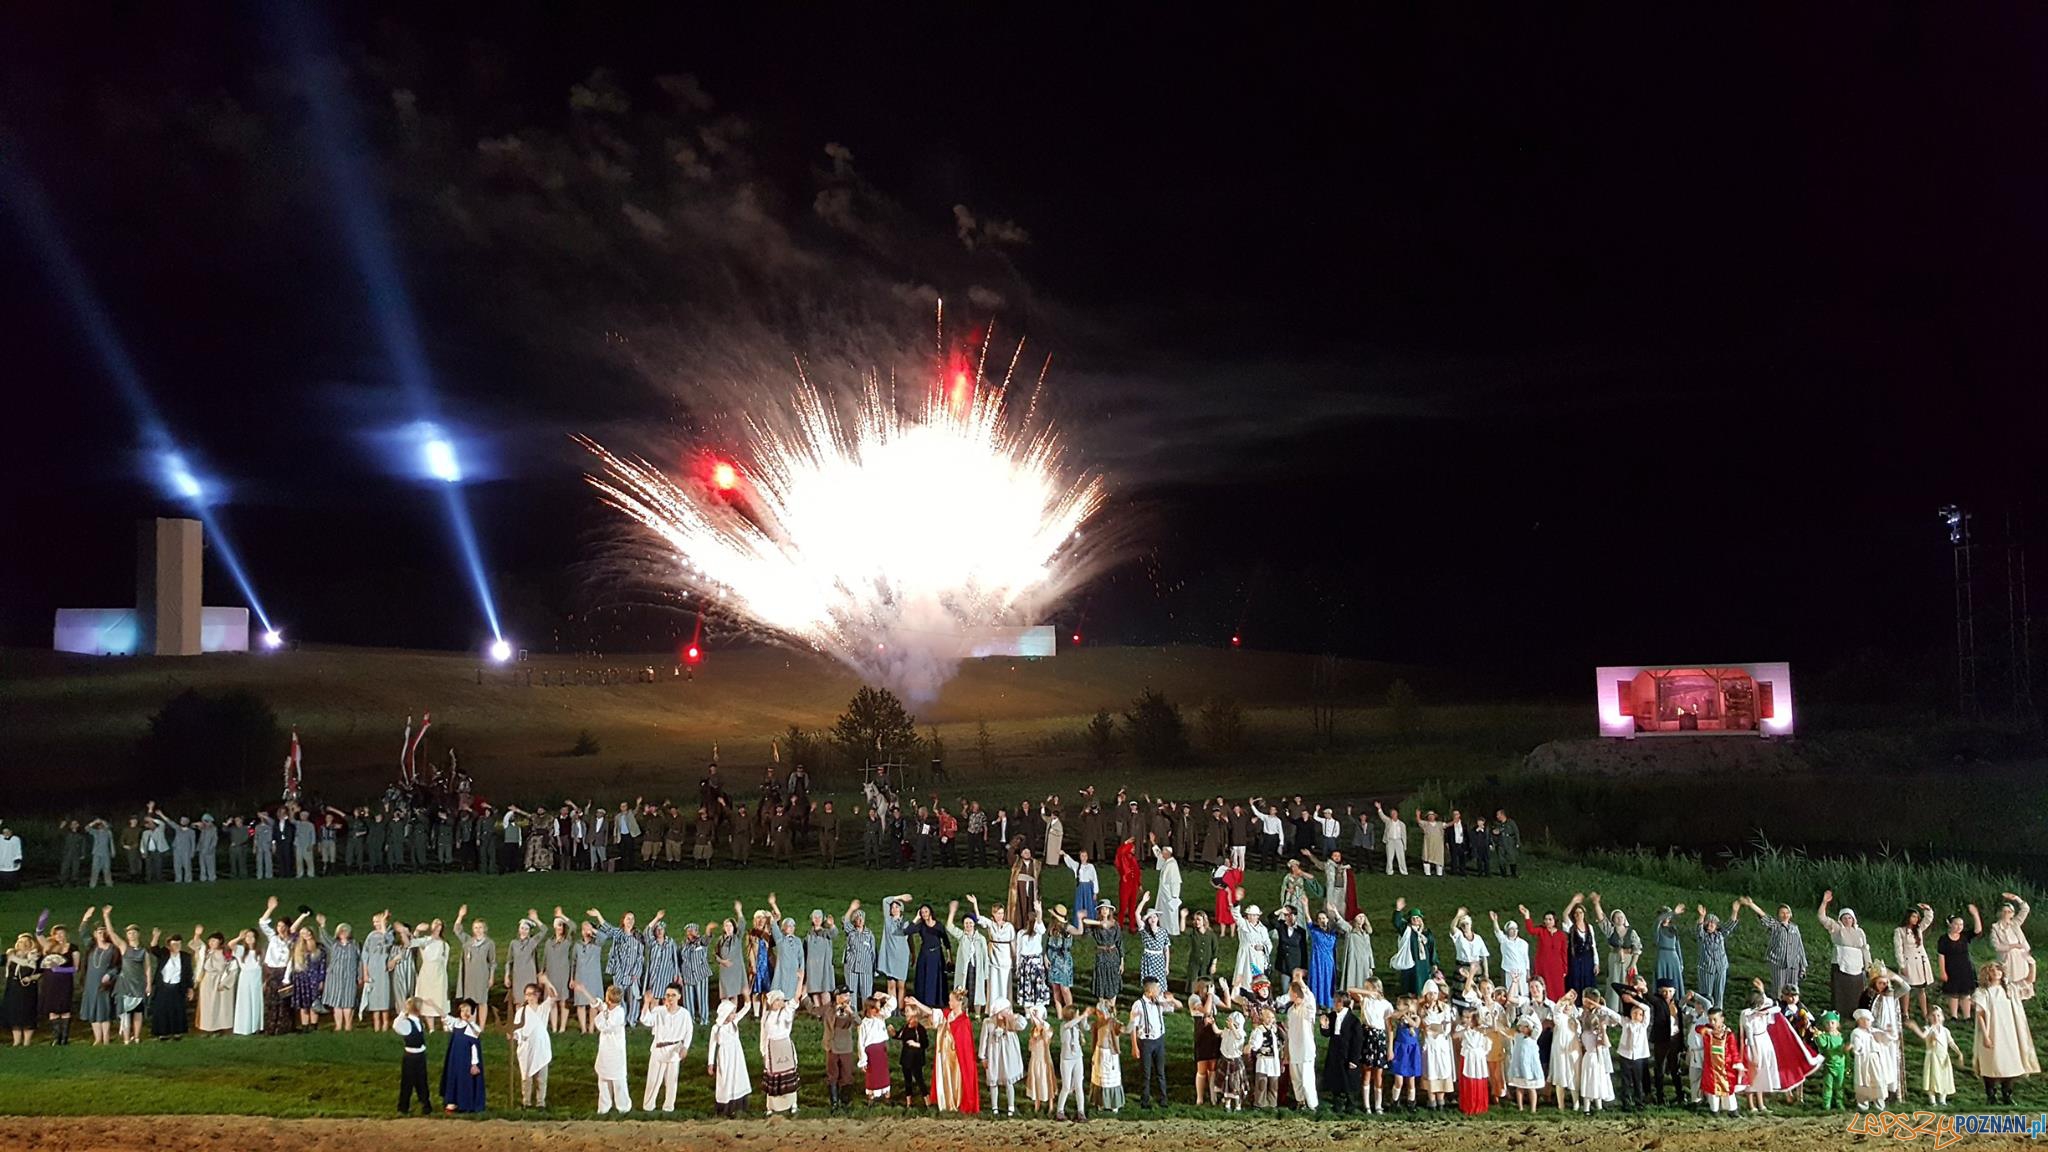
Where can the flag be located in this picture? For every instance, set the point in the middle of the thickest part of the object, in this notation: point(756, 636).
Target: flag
point(412, 746)
point(405, 754)
point(293, 767)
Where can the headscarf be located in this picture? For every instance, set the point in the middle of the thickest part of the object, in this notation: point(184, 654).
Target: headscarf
point(725, 1011)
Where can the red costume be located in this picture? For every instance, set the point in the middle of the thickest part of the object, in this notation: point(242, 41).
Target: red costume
point(1233, 879)
point(1546, 961)
point(1722, 1069)
point(956, 1070)
point(1129, 877)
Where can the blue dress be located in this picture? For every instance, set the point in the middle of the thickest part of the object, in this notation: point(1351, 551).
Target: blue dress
point(764, 968)
point(1059, 960)
point(1670, 956)
point(1407, 1051)
point(1322, 964)
point(460, 1090)
point(930, 981)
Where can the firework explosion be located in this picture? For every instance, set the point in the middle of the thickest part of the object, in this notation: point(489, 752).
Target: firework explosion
point(886, 539)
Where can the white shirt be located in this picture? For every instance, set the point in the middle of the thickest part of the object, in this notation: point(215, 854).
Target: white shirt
point(10, 853)
point(672, 1030)
point(173, 970)
point(775, 1023)
point(1375, 1012)
point(1148, 1018)
point(1635, 1040)
point(277, 951)
point(1331, 829)
point(611, 1042)
point(1514, 952)
point(1301, 1033)
point(1269, 824)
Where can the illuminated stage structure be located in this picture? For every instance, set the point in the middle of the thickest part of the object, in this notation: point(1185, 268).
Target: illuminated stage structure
point(167, 619)
point(1695, 700)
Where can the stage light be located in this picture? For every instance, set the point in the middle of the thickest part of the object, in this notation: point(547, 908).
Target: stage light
point(1077, 637)
point(338, 143)
point(21, 193)
point(273, 639)
point(725, 476)
point(501, 650)
point(183, 483)
point(693, 654)
point(439, 455)
point(1237, 641)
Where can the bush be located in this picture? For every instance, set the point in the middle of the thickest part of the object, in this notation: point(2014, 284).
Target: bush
point(985, 746)
point(875, 727)
point(1222, 724)
point(586, 744)
point(213, 742)
point(1100, 737)
point(1155, 729)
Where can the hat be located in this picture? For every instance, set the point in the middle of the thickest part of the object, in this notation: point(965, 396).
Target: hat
point(1060, 910)
point(1251, 911)
point(725, 1011)
point(1830, 1016)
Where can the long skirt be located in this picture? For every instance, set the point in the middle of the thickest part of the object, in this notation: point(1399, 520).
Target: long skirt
point(1032, 985)
point(1847, 989)
point(1472, 1094)
point(878, 1069)
point(778, 1074)
point(1233, 1078)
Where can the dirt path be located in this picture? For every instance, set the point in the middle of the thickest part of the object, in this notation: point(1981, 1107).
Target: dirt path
point(154, 1133)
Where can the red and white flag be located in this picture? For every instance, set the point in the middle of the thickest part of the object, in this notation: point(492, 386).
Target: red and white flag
point(407, 770)
point(293, 767)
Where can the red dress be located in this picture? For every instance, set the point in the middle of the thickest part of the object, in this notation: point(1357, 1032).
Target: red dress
point(1128, 880)
point(1233, 879)
point(1547, 963)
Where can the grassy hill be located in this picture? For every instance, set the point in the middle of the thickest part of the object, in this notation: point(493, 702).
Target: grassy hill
point(75, 721)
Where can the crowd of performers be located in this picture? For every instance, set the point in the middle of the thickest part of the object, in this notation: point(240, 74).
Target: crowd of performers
point(953, 1006)
point(438, 822)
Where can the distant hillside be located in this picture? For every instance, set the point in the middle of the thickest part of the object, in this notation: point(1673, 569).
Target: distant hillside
point(72, 722)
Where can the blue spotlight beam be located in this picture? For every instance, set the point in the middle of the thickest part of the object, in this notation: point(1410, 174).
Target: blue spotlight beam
point(338, 144)
point(40, 224)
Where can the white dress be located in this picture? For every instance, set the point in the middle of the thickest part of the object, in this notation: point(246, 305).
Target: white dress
point(535, 1049)
point(1002, 953)
point(611, 1043)
point(1002, 1062)
point(248, 991)
point(430, 986)
point(1596, 1057)
point(1875, 1070)
point(1439, 1063)
point(1564, 1048)
point(1759, 1051)
point(728, 1060)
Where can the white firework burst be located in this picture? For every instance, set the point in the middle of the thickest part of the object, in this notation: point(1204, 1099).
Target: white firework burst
point(884, 538)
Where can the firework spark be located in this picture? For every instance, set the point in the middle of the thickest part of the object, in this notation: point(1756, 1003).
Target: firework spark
point(883, 538)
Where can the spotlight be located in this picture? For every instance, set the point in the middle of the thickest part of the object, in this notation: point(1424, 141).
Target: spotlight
point(439, 454)
point(725, 476)
point(501, 650)
point(179, 476)
point(273, 639)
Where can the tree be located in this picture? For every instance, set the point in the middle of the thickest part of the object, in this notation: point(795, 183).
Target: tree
point(1222, 725)
point(586, 744)
point(874, 727)
point(809, 750)
point(1404, 707)
point(207, 741)
point(1155, 728)
point(1101, 737)
point(985, 744)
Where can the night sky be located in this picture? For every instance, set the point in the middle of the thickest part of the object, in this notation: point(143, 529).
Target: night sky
point(1515, 341)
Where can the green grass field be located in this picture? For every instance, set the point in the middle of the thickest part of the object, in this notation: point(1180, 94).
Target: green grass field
point(356, 1075)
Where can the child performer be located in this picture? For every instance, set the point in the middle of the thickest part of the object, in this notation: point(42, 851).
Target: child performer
point(1474, 1045)
point(1230, 1078)
point(1937, 1071)
point(611, 1054)
point(671, 1025)
point(1525, 1064)
point(1073, 1063)
point(1834, 1056)
point(874, 1046)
